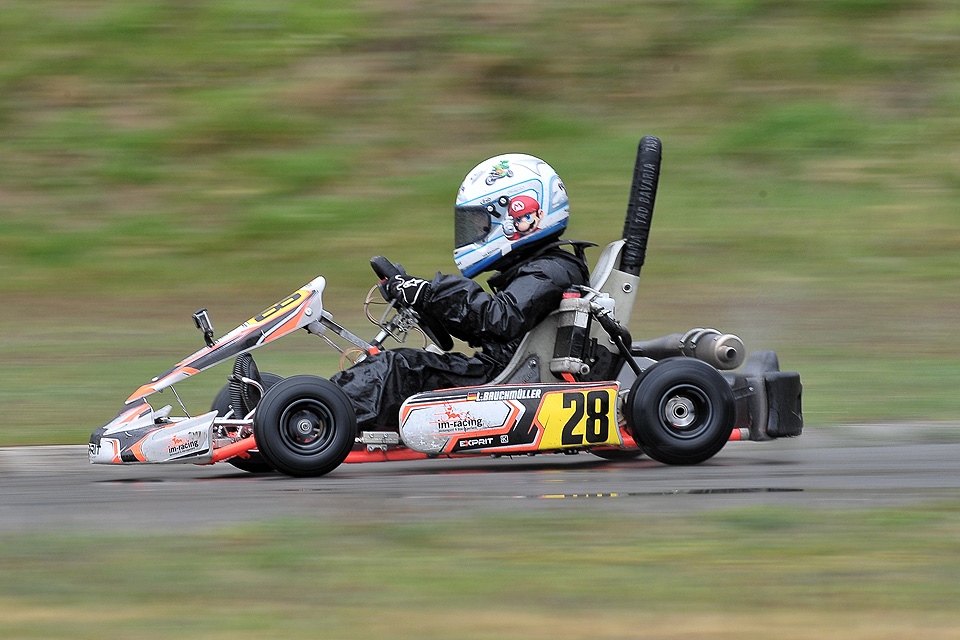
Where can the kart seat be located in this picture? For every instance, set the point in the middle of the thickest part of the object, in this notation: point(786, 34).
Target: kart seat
point(531, 362)
point(605, 264)
point(617, 275)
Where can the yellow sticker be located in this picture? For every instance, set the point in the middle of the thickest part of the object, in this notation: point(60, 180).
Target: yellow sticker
point(578, 418)
point(284, 304)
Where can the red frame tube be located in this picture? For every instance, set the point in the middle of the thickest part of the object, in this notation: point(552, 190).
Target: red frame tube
point(242, 447)
point(378, 455)
point(239, 448)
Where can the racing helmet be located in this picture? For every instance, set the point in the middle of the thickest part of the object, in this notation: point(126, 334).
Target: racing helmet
point(508, 202)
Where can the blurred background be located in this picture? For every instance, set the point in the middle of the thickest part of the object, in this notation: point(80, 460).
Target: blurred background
point(158, 157)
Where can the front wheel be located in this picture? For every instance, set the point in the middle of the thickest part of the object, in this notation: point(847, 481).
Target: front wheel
point(305, 426)
point(681, 411)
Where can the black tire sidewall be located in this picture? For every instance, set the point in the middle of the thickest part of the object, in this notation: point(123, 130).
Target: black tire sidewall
point(297, 389)
point(644, 414)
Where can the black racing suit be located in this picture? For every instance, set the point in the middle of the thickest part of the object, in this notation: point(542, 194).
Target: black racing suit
point(524, 294)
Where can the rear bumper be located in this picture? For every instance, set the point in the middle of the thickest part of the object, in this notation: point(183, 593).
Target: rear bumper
point(769, 401)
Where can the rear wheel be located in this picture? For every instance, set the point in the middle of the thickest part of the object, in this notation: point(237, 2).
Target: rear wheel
point(681, 411)
point(305, 426)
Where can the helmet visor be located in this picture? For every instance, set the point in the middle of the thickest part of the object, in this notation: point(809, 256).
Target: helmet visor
point(471, 224)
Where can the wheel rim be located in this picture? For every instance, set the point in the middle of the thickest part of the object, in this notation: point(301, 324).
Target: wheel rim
point(685, 411)
point(307, 426)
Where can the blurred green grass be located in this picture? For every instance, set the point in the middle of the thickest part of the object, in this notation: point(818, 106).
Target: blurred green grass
point(755, 572)
point(157, 157)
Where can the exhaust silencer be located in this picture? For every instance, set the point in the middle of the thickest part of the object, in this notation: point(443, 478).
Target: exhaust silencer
point(723, 351)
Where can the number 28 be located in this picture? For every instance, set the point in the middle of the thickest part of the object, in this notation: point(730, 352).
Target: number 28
point(595, 405)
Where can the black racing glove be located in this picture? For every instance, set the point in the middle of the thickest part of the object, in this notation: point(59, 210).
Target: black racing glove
point(404, 289)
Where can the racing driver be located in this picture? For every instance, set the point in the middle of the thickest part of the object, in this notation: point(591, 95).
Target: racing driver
point(509, 215)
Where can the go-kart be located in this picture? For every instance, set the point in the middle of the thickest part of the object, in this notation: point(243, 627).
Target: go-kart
point(577, 382)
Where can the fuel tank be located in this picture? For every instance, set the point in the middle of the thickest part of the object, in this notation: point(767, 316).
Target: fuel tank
point(511, 419)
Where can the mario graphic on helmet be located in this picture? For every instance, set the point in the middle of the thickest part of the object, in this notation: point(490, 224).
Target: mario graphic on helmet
point(525, 215)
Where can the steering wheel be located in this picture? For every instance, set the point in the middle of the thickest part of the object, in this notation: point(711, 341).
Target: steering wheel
point(434, 330)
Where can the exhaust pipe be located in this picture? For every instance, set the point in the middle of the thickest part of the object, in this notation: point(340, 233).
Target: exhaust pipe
point(724, 351)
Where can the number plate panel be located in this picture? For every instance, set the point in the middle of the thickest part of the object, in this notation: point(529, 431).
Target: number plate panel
point(510, 419)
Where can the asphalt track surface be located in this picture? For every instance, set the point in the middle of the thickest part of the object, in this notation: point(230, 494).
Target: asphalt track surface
point(55, 488)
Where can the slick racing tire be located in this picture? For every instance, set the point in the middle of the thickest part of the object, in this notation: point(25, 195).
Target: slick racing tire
point(305, 426)
point(222, 404)
point(681, 411)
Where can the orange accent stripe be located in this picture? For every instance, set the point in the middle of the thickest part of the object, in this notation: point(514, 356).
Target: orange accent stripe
point(145, 390)
point(137, 451)
point(292, 321)
point(149, 388)
point(116, 451)
point(132, 414)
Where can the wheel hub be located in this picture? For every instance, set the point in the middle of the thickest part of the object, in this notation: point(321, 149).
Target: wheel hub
point(305, 427)
point(680, 412)
point(684, 411)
